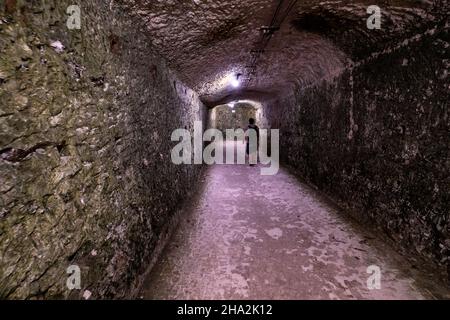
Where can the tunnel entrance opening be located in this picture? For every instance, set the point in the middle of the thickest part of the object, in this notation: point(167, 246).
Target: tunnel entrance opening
point(210, 146)
point(234, 115)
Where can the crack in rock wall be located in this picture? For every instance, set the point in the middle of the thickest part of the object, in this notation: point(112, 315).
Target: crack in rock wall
point(86, 175)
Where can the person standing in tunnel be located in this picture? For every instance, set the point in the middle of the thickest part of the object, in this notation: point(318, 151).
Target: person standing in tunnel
point(252, 141)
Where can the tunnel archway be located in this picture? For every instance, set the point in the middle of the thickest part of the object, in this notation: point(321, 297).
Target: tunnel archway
point(235, 115)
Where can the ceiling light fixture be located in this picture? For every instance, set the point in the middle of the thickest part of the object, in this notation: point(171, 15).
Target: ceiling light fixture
point(235, 81)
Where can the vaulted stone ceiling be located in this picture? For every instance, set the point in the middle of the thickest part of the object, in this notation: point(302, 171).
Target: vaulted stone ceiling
point(209, 41)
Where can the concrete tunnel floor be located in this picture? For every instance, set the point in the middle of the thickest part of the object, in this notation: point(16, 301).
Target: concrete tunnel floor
point(249, 236)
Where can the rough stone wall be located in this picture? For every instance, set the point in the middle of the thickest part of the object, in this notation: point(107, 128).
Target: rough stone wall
point(222, 117)
point(85, 170)
point(376, 139)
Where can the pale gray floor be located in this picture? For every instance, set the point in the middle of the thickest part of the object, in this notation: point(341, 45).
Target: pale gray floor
point(271, 237)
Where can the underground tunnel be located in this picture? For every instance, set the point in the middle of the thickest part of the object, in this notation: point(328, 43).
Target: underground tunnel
point(351, 96)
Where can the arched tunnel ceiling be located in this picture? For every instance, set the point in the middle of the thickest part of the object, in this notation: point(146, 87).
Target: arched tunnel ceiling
point(206, 41)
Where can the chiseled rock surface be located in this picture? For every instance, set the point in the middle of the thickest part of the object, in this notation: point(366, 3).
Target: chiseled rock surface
point(223, 117)
point(376, 140)
point(86, 177)
point(208, 40)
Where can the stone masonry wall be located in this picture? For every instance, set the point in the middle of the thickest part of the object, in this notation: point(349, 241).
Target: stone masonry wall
point(85, 171)
point(222, 117)
point(376, 139)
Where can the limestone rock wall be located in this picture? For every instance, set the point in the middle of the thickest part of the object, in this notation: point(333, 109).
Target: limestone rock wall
point(222, 117)
point(376, 139)
point(86, 177)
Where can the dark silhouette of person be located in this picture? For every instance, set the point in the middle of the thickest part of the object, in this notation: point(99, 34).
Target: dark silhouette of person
point(251, 150)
